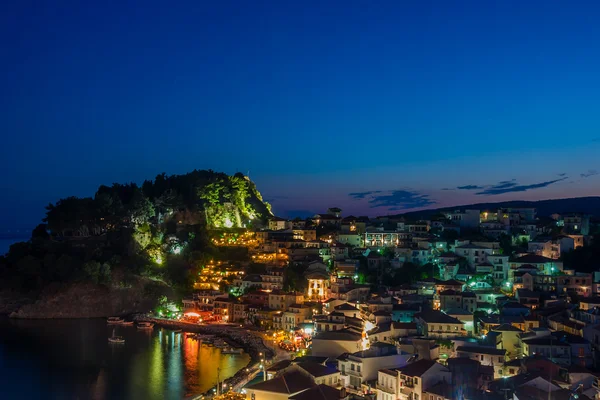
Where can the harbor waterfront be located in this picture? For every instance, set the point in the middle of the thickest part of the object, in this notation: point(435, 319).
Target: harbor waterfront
point(72, 359)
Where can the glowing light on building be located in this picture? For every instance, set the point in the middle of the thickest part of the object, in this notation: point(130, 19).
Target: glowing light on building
point(191, 314)
point(228, 223)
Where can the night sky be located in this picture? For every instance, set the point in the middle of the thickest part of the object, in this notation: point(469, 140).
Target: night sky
point(373, 108)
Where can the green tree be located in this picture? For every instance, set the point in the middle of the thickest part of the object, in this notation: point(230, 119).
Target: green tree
point(104, 274)
point(91, 269)
point(140, 208)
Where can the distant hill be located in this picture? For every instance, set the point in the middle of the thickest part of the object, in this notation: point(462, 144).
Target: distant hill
point(588, 205)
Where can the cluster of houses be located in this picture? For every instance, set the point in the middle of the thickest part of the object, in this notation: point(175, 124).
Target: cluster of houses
point(491, 325)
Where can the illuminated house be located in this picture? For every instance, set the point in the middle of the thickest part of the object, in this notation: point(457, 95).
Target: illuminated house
point(543, 265)
point(346, 268)
point(307, 234)
point(544, 246)
point(436, 324)
point(474, 254)
point(362, 366)
point(487, 356)
point(295, 315)
point(381, 239)
point(334, 343)
point(277, 224)
point(412, 380)
point(346, 289)
point(577, 224)
point(318, 284)
point(223, 308)
point(353, 239)
point(451, 284)
point(351, 224)
point(282, 387)
point(280, 300)
point(510, 340)
point(318, 281)
point(326, 219)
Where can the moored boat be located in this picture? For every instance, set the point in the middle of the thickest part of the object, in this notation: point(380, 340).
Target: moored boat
point(126, 323)
point(145, 325)
point(116, 339)
point(232, 350)
point(114, 320)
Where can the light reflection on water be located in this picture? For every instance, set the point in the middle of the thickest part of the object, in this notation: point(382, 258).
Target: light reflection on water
point(73, 360)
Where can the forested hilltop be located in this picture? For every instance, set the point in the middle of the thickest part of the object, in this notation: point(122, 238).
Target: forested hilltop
point(157, 231)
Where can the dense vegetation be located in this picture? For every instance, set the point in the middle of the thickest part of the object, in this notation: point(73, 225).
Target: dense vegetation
point(158, 230)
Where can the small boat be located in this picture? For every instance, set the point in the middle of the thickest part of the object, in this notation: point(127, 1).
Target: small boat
point(116, 339)
point(114, 320)
point(231, 350)
point(126, 323)
point(145, 325)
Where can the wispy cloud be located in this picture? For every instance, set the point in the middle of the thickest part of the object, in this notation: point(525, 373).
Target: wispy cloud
point(505, 184)
point(562, 174)
point(395, 200)
point(590, 172)
point(469, 187)
point(362, 195)
point(513, 186)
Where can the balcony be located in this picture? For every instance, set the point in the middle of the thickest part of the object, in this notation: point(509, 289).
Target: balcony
point(386, 389)
point(349, 372)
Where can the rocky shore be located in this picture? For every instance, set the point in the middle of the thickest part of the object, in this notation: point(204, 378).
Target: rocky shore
point(235, 336)
point(84, 300)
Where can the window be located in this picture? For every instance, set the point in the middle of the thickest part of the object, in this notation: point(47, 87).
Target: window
point(352, 367)
point(416, 381)
point(511, 371)
point(253, 396)
point(358, 368)
point(499, 359)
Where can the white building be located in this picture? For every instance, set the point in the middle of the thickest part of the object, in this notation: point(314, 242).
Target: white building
point(334, 343)
point(544, 246)
point(473, 253)
point(362, 366)
point(411, 381)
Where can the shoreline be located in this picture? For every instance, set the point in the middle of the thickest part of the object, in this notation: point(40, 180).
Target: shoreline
point(253, 345)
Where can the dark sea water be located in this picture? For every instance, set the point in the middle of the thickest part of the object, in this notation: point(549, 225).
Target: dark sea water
point(72, 359)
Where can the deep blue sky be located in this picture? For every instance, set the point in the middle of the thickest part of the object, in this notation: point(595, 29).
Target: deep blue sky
point(374, 108)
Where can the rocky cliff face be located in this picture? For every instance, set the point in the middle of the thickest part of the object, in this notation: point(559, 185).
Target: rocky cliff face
point(92, 301)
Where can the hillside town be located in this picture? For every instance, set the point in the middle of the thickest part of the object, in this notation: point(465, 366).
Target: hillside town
point(468, 304)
